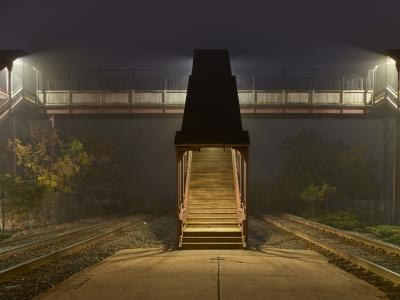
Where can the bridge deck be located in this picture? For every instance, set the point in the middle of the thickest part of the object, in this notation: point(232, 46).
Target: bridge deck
point(214, 274)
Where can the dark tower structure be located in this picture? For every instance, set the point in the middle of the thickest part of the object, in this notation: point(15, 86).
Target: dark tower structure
point(212, 158)
point(212, 111)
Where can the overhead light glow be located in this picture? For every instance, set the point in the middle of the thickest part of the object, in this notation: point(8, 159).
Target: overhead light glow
point(18, 62)
point(390, 61)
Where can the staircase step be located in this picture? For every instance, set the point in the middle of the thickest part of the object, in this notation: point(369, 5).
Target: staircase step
point(210, 223)
point(229, 204)
point(224, 245)
point(212, 215)
point(215, 207)
point(207, 193)
point(214, 233)
point(212, 201)
point(210, 210)
point(212, 197)
point(226, 204)
point(212, 226)
point(212, 220)
point(212, 239)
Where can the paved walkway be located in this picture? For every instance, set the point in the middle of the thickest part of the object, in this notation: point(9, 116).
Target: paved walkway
point(213, 274)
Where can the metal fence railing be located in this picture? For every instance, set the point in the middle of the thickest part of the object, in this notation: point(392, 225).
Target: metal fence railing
point(178, 79)
point(168, 87)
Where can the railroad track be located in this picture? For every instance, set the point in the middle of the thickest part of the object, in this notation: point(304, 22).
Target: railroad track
point(380, 258)
point(13, 247)
point(20, 261)
point(8, 245)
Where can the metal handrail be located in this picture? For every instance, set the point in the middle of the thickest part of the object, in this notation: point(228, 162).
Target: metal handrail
point(240, 206)
point(184, 204)
point(392, 96)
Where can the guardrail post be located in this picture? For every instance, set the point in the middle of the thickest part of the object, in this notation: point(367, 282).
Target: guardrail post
point(311, 97)
point(284, 94)
point(69, 87)
point(44, 77)
point(164, 95)
point(133, 90)
point(11, 127)
point(36, 72)
point(365, 81)
point(254, 91)
point(396, 191)
point(342, 91)
point(373, 87)
point(101, 86)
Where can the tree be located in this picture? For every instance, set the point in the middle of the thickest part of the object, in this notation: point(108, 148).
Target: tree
point(354, 173)
point(58, 179)
point(313, 195)
point(47, 168)
point(19, 196)
point(308, 158)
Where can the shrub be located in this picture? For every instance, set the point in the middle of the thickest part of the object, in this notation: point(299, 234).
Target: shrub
point(386, 233)
point(342, 220)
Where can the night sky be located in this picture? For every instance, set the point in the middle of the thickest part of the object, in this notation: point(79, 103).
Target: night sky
point(162, 34)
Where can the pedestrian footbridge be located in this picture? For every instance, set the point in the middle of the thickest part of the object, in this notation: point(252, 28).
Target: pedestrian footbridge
point(276, 93)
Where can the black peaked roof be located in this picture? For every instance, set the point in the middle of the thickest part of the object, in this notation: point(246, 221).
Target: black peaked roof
point(212, 111)
point(8, 56)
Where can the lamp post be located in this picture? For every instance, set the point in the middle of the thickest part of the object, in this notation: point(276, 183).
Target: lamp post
point(395, 55)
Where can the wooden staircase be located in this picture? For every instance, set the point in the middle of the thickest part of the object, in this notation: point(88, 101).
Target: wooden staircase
point(212, 221)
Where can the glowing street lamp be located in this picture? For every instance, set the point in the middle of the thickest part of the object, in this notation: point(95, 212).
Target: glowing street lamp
point(393, 57)
point(7, 60)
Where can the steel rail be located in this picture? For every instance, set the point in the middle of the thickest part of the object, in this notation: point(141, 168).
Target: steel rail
point(348, 235)
point(39, 261)
point(21, 240)
point(25, 247)
point(370, 266)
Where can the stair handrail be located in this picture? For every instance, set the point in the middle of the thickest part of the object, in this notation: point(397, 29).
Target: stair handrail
point(240, 206)
point(392, 96)
point(185, 196)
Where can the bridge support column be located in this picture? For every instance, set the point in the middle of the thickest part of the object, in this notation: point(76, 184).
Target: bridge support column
point(396, 157)
point(391, 170)
point(12, 166)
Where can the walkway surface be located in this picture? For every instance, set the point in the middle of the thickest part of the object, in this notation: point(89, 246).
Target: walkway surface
point(213, 274)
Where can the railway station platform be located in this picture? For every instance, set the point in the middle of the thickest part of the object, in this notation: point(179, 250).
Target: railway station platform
point(213, 274)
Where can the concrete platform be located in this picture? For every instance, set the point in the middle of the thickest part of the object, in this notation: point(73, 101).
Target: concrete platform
point(213, 274)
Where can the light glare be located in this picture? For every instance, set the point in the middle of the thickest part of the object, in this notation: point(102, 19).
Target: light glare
point(18, 62)
point(390, 61)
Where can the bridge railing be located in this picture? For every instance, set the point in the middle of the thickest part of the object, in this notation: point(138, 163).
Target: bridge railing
point(24, 79)
point(386, 82)
point(177, 97)
point(240, 173)
point(167, 88)
point(184, 164)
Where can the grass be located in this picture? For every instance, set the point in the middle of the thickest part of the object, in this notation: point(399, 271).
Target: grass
point(4, 236)
point(342, 220)
point(350, 221)
point(385, 233)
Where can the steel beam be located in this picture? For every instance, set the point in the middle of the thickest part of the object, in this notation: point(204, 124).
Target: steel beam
point(12, 166)
point(390, 170)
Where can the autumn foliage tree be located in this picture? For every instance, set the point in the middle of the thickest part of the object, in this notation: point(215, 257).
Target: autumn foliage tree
point(53, 176)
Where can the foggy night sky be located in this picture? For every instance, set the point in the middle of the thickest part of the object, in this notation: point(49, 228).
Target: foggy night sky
point(158, 34)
